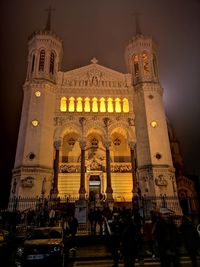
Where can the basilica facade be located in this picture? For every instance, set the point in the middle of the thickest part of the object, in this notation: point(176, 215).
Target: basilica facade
point(93, 130)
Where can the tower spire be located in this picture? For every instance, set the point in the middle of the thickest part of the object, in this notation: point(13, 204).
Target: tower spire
point(137, 24)
point(48, 23)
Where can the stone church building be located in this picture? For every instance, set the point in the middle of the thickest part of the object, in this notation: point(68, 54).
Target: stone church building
point(93, 130)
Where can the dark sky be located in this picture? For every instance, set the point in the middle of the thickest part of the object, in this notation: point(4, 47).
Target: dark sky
point(102, 28)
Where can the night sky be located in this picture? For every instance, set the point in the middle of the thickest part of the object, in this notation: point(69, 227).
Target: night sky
point(102, 29)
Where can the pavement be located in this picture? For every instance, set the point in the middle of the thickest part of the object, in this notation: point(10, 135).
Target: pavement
point(93, 251)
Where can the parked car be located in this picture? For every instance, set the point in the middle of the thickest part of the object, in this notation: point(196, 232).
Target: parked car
point(5, 245)
point(42, 247)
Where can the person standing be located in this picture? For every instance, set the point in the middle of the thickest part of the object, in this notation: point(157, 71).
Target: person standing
point(73, 227)
point(166, 235)
point(191, 239)
point(130, 237)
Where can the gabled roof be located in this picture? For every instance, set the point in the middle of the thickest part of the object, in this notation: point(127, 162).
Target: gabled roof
point(93, 75)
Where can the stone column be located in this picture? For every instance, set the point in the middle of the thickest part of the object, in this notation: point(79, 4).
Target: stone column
point(82, 190)
point(54, 191)
point(109, 189)
point(135, 196)
point(133, 165)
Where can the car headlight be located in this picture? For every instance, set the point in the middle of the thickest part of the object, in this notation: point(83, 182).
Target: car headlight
point(20, 251)
point(55, 249)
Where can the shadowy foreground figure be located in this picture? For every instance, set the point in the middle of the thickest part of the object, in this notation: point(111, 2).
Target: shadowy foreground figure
point(191, 239)
point(130, 243)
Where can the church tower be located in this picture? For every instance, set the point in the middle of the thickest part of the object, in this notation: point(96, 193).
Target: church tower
point(33, 168)
point(155, 170)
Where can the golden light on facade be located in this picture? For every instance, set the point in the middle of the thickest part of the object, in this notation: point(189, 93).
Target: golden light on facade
point(110, 104)
point(63, 104)
point(71, 104)
point(125, 105)
point(95, 105)
point(37, 93)
point(35, 123)
point(79, 105)
point(102, 105)
point(153, 124)
point(87, 104)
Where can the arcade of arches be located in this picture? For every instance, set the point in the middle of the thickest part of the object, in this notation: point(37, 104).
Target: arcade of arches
point(95, 166)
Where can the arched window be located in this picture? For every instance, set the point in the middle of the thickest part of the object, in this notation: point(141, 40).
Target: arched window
point(33, 63)
point(154, 65)
point(63, 104)
point(51, 65)
point(136, 65)
point(87, 104)
point(125, 105)
point(42, 60)
point(145, 60)
point(102, 105)
point(118, 105)
point(79, 105)
point(110, 104)
point(94, 104)
point(71, 104)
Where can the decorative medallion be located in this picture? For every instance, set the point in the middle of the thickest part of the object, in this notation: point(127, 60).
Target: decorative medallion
point(160, 181)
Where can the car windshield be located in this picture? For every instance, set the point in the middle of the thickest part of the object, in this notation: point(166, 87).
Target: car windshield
point(44, 234)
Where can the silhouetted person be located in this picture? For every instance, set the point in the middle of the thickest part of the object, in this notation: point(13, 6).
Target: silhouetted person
point(115, 239)
point(166, 235)
point(130, 242)
point(191, 239)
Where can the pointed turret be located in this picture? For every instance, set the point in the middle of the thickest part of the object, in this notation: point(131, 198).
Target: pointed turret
point(45, 53)
point(155, 169)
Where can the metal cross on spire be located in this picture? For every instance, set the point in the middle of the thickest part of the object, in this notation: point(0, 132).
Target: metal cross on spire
point(137, 23)
point(48, 23)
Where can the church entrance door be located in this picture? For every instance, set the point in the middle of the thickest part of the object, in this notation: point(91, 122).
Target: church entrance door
point(94, 186)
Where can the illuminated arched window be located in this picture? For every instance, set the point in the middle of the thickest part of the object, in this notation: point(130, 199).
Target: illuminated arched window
point(154, 65)
point(71, 104)
point(125, 105)
point(79, 105)
point(145, 60)
point(42, 60)
point(136, 65)
point(118, 105)
point(63, 104)
point(94, 104)
point(110, 104)
point(51, 65)
point(102, 105)
point(33, 63)
point(87, 104)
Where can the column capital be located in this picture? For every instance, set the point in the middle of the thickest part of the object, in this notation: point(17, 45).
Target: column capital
point(57, 144)
point(106, 121)
point(107, 144)
point(132, 145)
point(82, 144)
point(82, 121)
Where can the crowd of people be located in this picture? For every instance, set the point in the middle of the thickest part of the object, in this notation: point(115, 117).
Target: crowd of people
point(131, 236)
point(159, 235)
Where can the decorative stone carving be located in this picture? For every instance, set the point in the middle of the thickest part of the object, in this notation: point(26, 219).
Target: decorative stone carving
point(131, 122)
point(121, 167)
point(82, 121)
point(132, 145)
point(27, 182)
point(160, 181)
point(67, 168)
point(107, 122)
point(57, 144)
point(82, 144)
